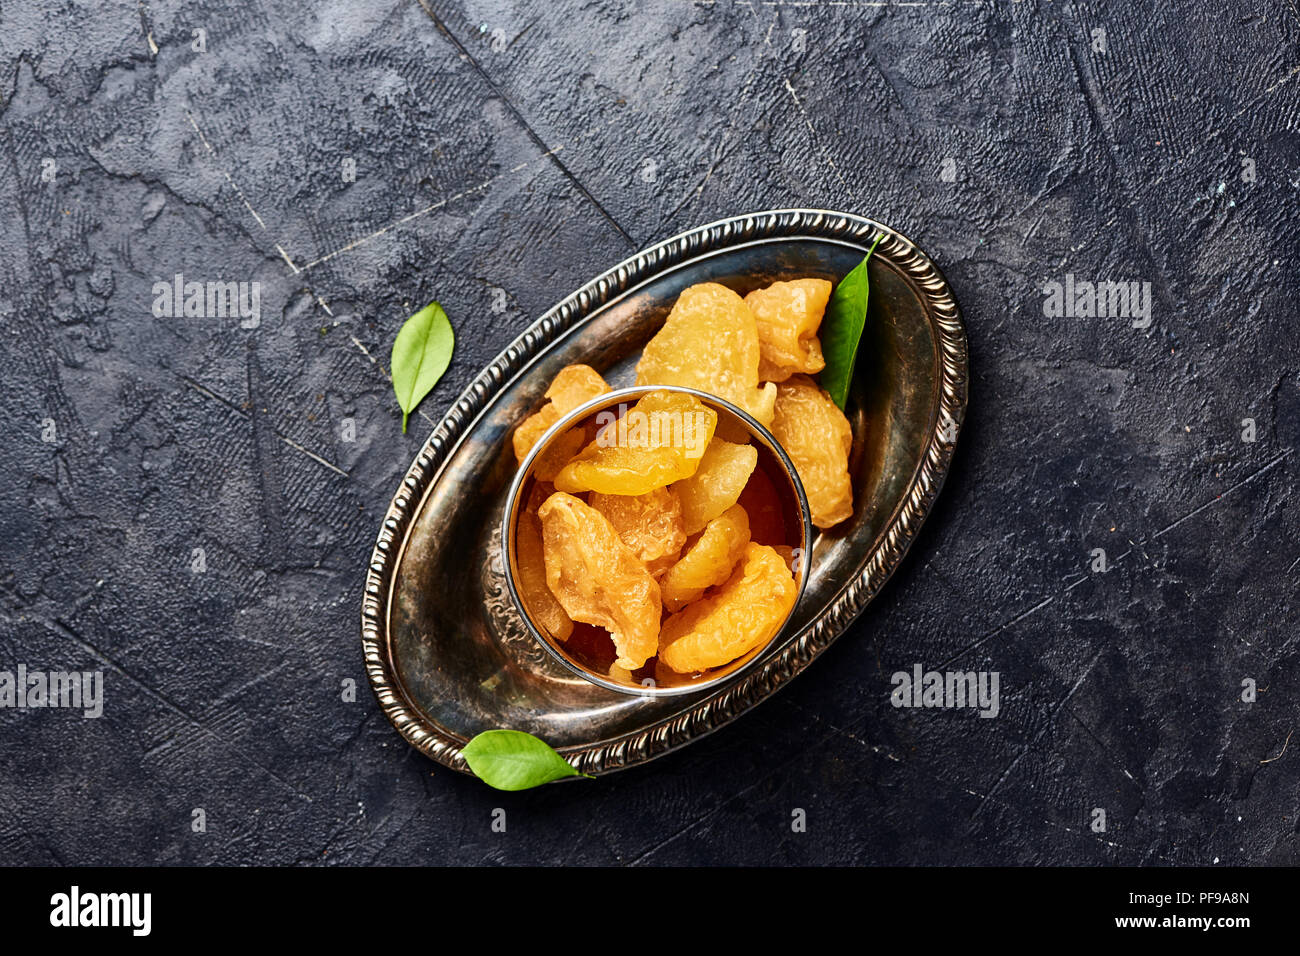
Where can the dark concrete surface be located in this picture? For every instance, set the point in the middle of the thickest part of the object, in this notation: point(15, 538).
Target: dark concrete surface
point(525, 147)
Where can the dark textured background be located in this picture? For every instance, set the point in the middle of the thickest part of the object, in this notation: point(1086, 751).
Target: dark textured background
point(529, 165)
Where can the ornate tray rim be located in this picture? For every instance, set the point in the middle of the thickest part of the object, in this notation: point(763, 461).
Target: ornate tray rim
point(765, 679)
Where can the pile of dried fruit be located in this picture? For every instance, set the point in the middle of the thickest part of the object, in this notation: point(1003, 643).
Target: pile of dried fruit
point(659, 532)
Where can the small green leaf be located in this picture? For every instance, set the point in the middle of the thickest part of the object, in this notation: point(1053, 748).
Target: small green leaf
point(421, 353)
point(514, 760)
point(841, 330)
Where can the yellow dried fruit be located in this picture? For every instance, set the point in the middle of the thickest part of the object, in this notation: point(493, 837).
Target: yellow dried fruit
point(598, 580)
point(536, 595)
point(574, 385)
point(709, 342)
point(558, 454)
point(531, 429)
point(658, 440)
point(649, 524)
point(745, 613)
point(619, 675)
point(716, 484)
point(734, 431)
point(818, 439)
point(709, 561)
point(788, 315)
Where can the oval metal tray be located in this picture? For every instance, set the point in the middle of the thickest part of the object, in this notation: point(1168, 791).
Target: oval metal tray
point(445, 649)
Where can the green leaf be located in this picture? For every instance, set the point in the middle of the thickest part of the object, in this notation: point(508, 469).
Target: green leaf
point(514, 760)
point(841, 329)
point(421, 353)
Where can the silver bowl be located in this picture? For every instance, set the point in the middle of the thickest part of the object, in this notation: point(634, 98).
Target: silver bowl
point(665, 683)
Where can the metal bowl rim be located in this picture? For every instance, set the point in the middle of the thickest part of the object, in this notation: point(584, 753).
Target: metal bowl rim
point(510, 519)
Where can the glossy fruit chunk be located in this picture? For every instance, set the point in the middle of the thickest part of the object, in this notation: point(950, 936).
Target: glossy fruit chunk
point(536, 594)
point(659, 440)
point(558, 454)
point(788, 315)
point(649, 524)
point(745, 613)
point(598, 580)
point(710, 343)
point(817, 437)
point(574, 385)
point(716, 484)
point(709, 561)
point(787, 555)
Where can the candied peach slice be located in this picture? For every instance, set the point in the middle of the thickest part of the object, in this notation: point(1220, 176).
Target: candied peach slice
point(709, 342)
point(649, 524)
point(818, 439)
point(535, 593)
point(573, 385)
point(709, 561)
point(598, 580)
point(788, 315)
point(659, 440)
point(531, 429)
point(558, 454)
point(717, 483)
point(745, 613)
point(620, 674)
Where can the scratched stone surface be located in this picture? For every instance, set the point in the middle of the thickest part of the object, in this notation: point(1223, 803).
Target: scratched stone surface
point(180, 508)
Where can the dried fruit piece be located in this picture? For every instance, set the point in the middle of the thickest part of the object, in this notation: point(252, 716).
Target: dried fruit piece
point(658, 440)
point(558, 454)
point(618, 674)
point(733, 430)
point(817, 437)
point(536, 595)
point(531, 429)
point(716, 484)
point(709, 561)
point(787, 555)
point(649, 524)
point(597, 579)
point(788, 315)
point(709, 342)
point(574, 385)
point(745, 613)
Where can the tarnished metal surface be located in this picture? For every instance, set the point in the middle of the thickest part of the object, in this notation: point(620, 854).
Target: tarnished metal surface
point(444, 649)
